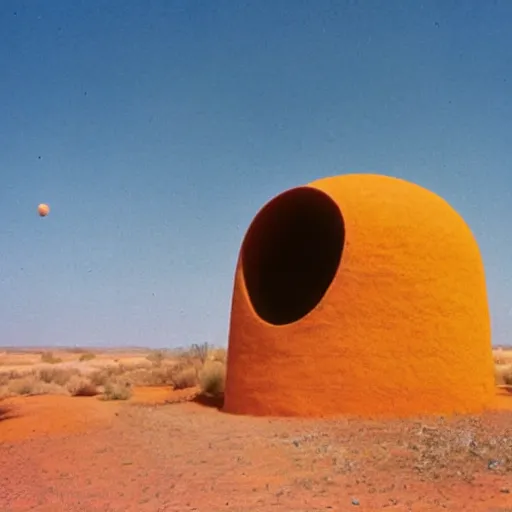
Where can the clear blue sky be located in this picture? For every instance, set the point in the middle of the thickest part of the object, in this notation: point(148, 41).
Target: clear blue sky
point(156, 130)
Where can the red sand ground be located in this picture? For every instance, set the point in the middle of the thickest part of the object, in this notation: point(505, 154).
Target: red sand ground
point(61, 454)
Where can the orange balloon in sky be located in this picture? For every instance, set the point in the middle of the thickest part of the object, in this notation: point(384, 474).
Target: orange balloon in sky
point(43, 210)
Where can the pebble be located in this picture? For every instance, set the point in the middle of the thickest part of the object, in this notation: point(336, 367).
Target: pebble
point(493, 464)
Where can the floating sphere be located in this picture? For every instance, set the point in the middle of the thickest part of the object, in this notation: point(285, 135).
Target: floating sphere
point(43, 210)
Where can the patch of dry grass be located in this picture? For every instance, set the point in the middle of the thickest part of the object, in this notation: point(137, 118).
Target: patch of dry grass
point(6, 377)
point(502, 356)
point(103, 376)
point(48, 357)
point(79, 385)
point(87, 356)
point(56, 375)
point(184, 376)
point(157, 375)
point(32, 385)
point(212, 378)
point(200, 352)
point(507, 376)
point(200, 366)
point(156, 357)
point(117, 391)
point(218, 354)
point(503, 374)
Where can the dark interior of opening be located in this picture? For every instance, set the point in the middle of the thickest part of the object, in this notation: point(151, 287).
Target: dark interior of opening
point(291, 254)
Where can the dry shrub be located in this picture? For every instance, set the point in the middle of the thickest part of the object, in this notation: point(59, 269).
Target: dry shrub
point(196, 354)
point(23, 385)
point(156, 357)
point(110, 373)
point(502, 356)
point(497, 356)
point(79, 385)
point(218, 354)
point(212, 378)
point(503, 374)
point(48, 357)
point(6, 377)
point(4, 392)
point(117, 390)
point(99, 377)
point(156, 376)
point(87, 356)
point(183, 376)
point(199, 352)
point(184, 373)
point(179, 375)
point(140, 377)
point(31, 385)
point(59, 376)
point(107, 374)
point(506, 375)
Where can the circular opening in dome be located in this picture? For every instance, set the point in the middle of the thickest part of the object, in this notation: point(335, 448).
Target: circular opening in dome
point(291, 254)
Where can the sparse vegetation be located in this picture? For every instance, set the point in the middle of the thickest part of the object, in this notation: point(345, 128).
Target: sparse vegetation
point(6, 377)
point(200, 352)
point(212, 378)
point(87, 356)
point(184, 376)
point(507, 376)
point(117, 391)
point(59, 376)
point(201, 366)
point(32, 385)
point(101, 377)
point(219, 354)
point(79, 385)
point(156, 357)
point(48, 357)
point(503, 374)
point(22, 386)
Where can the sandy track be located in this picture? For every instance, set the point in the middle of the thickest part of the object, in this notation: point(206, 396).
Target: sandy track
point(84, 455)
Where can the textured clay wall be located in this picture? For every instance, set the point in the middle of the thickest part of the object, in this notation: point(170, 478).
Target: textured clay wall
point(360, 295)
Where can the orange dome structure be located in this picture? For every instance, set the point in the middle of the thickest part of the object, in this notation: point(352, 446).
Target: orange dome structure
point(359, 295)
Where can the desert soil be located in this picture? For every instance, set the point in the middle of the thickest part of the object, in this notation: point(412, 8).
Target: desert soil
point(73, 454)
